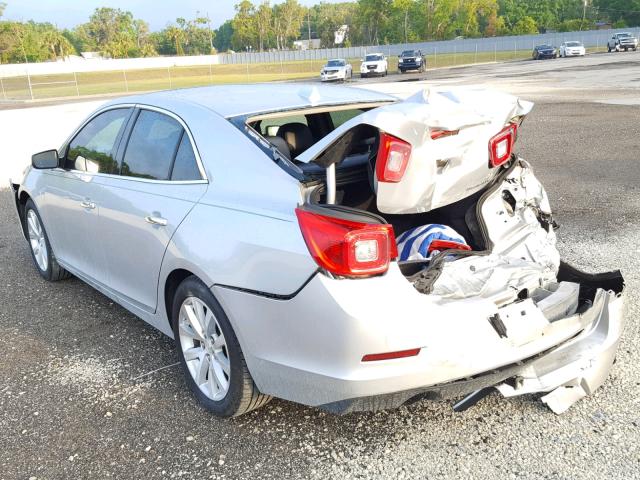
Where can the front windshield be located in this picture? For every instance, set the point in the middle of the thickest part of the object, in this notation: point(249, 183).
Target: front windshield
point(408, 53)
point(574, 44)
point(336, 63)
point(372, 58)
point(545, 46)
point(624, 35)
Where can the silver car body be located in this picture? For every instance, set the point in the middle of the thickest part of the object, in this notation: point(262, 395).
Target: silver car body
point(331, 72)
point(304, 333)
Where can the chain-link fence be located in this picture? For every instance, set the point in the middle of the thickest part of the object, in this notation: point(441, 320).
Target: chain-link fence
point(595, 40)
point(22, 84)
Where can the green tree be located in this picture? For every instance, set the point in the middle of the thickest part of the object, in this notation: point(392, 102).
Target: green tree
point(244, 28)
point(223, 35)
point(627, 11)
point(57, 44)
point(263, 22)
point(373, 15)
point(326, 18)
point(288, 18)
point(176, 36)
point(404, 7)
point(525, 26)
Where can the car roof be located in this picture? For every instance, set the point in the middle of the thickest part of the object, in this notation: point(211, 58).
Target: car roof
point(373, 53)
point(336, 60)
point(236, 100)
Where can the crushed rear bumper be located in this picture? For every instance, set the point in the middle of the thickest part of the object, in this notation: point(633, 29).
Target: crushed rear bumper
point(565, 373)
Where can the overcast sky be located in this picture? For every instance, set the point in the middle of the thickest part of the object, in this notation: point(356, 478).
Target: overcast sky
point(67, 13)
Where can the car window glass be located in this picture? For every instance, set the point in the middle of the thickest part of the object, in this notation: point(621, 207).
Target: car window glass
point(92, 149)
point(152, 146)
point(341, 116)
point(270, 127)
point(185, 166)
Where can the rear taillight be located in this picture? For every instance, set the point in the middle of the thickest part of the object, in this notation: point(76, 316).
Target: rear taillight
point(392, 159)
point(501, 145)
point(347, 248)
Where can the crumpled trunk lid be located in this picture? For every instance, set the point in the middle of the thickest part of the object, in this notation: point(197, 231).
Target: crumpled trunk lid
point(440, 171)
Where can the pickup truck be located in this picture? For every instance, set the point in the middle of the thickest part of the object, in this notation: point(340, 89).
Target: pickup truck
point(622, 41)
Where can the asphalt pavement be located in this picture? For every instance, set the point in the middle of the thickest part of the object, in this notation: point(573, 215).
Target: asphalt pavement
point(89, 391)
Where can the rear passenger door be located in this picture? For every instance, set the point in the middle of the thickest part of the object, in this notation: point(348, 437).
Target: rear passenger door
point(160, 179)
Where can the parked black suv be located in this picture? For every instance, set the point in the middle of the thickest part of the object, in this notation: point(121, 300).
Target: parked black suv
point(412, 60)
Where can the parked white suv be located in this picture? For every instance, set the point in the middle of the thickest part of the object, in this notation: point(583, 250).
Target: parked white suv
point(374, 64)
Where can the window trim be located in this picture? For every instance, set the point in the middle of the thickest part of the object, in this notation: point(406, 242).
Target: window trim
point(127, 134)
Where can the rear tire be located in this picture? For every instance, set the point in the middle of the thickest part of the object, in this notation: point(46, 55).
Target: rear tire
point(214, 366)
point(41, 252)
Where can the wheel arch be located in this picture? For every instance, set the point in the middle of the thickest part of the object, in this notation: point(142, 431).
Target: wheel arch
point(171, 284)
point(21, 197)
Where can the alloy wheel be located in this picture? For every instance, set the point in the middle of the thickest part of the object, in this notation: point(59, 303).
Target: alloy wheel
point(204, 348)
point(37, 240)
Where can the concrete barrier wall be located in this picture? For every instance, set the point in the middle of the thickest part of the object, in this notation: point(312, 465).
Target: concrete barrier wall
point(78, 65)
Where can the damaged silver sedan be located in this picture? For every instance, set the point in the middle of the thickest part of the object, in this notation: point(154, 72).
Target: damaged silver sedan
point(326, 245)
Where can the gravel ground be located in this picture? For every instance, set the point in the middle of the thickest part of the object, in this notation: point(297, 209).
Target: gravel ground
point(81, 395)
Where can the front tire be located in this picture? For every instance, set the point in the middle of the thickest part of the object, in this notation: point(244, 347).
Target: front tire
point(41, 252)
point(212, 360)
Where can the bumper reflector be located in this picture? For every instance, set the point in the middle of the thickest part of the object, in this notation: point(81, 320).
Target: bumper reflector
point(374, 357)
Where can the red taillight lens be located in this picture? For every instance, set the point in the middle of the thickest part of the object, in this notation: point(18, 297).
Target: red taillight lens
point(347, 248)
point(374, 357)
point(501, 145)
point(393, 157)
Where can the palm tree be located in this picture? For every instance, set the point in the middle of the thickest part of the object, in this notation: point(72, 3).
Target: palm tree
point(57, 44)
point(176, 35)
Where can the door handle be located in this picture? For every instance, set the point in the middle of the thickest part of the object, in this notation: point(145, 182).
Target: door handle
point(156, 220)
point(87, 204)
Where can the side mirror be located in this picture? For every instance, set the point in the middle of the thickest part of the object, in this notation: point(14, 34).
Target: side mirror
point(46, 159)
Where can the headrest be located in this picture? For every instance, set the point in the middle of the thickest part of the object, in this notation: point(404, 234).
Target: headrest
point(280, 144)
point(298, 137)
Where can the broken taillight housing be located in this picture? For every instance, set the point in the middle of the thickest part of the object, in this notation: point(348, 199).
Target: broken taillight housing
point(347, 248)
point(392, 159)
point(437, 133)
point(501, 145)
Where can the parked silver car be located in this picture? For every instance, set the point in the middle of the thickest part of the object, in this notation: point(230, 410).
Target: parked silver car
point(257, 226)
point(336, 69)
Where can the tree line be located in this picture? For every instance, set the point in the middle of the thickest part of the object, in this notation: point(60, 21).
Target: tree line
point(262, 25)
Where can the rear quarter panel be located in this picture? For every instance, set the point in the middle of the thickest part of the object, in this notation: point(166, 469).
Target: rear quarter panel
point(243, 232)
